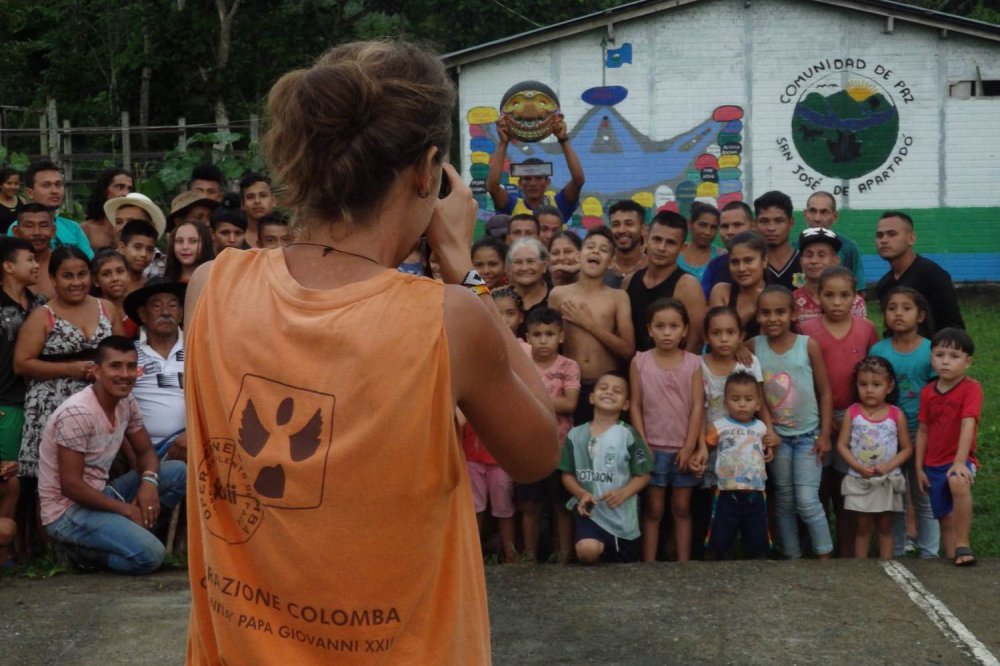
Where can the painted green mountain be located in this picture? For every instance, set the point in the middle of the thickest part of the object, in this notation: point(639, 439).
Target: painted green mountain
point(841, 137)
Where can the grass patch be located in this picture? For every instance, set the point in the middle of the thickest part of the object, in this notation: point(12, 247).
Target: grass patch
point(45, 565)
point(982, 320)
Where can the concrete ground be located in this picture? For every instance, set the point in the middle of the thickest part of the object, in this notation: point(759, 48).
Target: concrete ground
point(806, 612)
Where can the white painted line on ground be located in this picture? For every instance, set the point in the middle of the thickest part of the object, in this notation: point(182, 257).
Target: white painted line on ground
point(950, 626)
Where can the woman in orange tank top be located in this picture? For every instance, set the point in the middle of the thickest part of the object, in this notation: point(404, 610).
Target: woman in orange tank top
point(330, 513)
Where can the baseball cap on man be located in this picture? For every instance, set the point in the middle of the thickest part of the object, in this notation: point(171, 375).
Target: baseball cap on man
point(138, 200)
point(819, 235)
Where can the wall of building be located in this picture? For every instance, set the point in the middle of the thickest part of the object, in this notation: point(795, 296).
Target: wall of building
point(723, 102)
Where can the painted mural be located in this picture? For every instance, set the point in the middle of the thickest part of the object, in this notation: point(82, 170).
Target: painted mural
point(845, 125)
point(703, 163)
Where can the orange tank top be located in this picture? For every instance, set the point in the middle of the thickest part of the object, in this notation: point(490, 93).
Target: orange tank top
point(330, 516)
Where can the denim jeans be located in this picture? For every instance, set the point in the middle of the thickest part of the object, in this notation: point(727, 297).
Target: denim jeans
point(743, 514)
point(131, 548)
point(928, 528)
point(797, 475)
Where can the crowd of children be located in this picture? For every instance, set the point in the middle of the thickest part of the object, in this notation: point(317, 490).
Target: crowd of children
point(796, 414)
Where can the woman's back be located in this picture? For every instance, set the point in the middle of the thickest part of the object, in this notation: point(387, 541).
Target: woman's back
point(329, 499)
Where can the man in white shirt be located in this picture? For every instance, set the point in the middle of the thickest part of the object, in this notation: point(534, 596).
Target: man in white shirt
point(159, 388)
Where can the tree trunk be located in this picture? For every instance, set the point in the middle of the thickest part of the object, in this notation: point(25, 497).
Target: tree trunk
point(226, 15)
point(145, 84)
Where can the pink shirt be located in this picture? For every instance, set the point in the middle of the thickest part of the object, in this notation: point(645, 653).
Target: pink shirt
point(561, 376)
point(666, 399)
point(841, 354)
point(80, 424)
point(806, 309)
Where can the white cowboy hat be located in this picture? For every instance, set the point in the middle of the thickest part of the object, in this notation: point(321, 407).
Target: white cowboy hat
point(138, 200)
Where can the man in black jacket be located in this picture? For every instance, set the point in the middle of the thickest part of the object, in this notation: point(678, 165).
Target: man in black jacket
point(894, 239)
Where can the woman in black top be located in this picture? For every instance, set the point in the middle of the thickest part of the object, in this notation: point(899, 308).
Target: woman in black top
point(747, 263)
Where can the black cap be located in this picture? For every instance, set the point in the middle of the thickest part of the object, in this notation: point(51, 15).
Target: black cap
point(814, 235)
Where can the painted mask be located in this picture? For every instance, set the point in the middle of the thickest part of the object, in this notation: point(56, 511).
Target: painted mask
point(531, 109)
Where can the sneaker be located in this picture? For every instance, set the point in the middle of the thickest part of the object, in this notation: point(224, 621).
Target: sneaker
point(911, 547)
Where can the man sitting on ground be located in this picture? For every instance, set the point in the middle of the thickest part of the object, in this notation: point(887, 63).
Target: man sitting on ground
point(159, 387)
point(102, 524)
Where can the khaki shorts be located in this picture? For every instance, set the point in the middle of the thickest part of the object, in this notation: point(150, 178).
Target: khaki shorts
point(878, 494)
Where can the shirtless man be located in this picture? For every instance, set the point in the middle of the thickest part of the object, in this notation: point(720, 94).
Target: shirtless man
point(599, 333)
point(663, 278)
point(627, 220)
point(111, 183)
point(36, 225)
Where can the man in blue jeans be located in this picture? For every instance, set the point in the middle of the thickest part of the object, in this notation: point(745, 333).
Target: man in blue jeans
point(106, 525)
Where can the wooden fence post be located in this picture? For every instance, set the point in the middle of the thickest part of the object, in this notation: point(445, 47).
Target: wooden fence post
point(67, 151)
point(43, 135)
point(52, 121)
point(126, 143)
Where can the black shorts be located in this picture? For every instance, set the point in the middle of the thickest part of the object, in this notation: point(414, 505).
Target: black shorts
point(548, 490)
point(615, 549)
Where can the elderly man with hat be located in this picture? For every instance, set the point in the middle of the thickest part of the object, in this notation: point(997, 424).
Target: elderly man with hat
point(159, 387)
point(819, 249)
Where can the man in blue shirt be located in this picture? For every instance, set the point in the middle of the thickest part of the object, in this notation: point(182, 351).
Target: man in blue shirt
point(44, 184)
point(533, 188)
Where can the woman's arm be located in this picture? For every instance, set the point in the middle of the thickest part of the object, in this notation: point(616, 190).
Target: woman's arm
point(28, 348)
point(824, 395)
point(115, 316)
point(719, 295)
point(635, 399)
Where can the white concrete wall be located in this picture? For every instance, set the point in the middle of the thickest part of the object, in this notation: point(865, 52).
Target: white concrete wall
point(690, 60)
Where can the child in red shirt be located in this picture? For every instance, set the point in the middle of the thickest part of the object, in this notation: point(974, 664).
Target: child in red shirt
point(946, 441)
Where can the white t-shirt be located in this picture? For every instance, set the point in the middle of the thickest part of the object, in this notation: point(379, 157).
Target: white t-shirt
point(159, 388)
point(715, 387)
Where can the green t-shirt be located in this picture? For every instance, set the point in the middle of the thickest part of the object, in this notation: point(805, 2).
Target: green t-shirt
point(603, 463)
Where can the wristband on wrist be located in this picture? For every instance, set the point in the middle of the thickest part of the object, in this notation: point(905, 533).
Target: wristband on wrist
point(475, 283)
point(152, 480)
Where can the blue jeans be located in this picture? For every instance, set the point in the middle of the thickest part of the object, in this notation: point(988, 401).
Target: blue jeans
point(744, 514)
point(131, 548)
point(928, 528)
point(797, 474)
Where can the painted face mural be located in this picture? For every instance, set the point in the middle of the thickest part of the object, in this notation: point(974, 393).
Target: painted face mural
point(531, 109)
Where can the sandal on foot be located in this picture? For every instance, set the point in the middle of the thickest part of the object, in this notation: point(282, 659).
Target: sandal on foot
point(964, 551)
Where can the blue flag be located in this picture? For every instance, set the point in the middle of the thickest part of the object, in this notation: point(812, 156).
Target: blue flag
point(620, 56)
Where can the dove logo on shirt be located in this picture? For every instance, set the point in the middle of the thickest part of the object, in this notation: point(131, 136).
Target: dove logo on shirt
point(284, 435)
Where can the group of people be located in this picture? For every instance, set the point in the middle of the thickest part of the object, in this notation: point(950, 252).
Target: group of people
point(92, 415)
point(742, 386)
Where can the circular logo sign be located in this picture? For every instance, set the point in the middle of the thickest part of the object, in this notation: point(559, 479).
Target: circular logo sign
point(845, 125)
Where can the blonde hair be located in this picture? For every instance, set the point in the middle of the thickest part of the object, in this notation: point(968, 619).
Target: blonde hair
point(341, 131)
